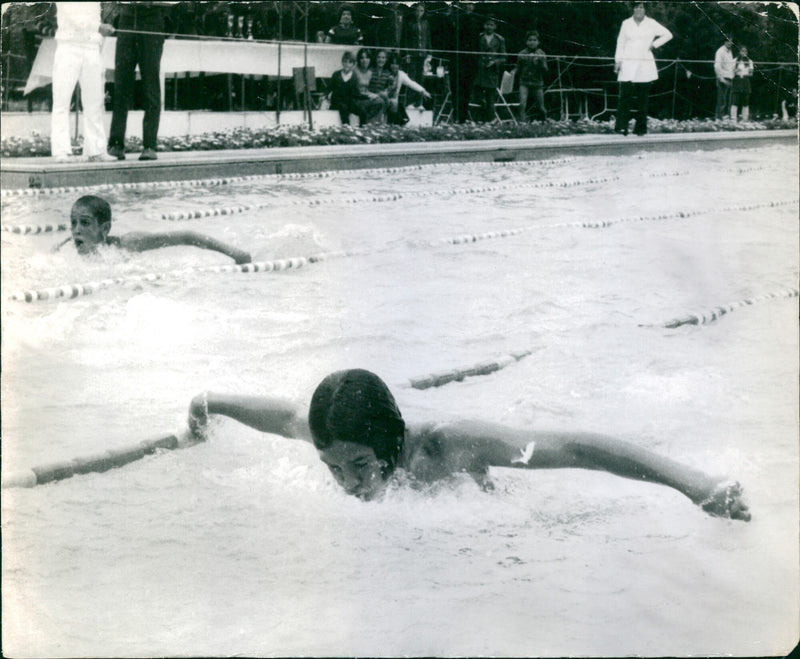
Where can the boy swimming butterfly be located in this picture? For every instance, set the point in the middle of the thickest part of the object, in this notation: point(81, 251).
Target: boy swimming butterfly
point(359, 433)
point(90, 225)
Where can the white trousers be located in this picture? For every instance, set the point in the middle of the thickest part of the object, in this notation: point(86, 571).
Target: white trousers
point(78, 62)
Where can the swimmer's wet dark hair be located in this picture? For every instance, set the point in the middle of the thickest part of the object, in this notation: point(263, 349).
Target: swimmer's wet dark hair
point(356, 406)
point(99, 207)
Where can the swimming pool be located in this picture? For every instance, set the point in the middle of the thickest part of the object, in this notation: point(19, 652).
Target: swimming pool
point(245, 545)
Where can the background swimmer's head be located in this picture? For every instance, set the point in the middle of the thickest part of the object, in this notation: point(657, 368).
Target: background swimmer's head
point(90, 223)
point(356, 406)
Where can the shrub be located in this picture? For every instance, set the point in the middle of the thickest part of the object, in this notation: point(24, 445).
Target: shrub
point(282, 136)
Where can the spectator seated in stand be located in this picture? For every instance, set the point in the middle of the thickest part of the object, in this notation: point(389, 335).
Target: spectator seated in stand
point(370, 105)
point(395, 111)
point(344, 91)
point(381, 80)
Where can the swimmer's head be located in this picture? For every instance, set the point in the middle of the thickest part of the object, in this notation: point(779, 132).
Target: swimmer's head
point(90, 223)
point(357, 429)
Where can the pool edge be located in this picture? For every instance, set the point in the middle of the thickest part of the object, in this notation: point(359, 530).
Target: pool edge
point(21, 173)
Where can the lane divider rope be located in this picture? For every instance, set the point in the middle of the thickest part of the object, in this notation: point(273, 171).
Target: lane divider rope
point(76, 290)
point(232, 210)
point(733, 170)
point(214, 182)
point(458, 374)
point(715, 313)
point(34, 228)
point(600, 224)
point(96, 463)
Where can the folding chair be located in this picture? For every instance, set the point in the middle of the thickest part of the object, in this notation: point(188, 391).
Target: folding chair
point(504, 92)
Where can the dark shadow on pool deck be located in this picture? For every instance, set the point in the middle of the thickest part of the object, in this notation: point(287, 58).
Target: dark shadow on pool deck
point(19, 173)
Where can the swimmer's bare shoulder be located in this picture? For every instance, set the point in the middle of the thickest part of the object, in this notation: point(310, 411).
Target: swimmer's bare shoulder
point(434, 451)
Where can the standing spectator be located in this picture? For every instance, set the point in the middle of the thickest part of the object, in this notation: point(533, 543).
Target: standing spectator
point(740, 89)
point(493, 56)
point(468, 30)
point(418, 40)
point(635, 66)
point(79, 39)
point(391, 32)
point(531, 67)
point(346, 33)
point(135, 46)
point(723, 69)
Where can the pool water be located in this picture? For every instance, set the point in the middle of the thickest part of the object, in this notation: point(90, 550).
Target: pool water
point(245, 545)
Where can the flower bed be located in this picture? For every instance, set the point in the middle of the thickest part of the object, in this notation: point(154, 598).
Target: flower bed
point(255, 138)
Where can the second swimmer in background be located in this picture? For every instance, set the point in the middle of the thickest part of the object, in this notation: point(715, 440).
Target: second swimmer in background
point(90, 225)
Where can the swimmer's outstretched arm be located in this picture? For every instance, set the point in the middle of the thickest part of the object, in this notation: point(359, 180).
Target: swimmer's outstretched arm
point(142, 242)
point(271, 415)
point(495, 445)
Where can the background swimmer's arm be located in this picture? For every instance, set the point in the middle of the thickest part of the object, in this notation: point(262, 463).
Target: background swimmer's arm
point(271, 415)
point(142, 242)
point(478, 445)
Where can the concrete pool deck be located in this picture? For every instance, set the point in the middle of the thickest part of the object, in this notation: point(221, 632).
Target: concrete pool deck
point(43, 172)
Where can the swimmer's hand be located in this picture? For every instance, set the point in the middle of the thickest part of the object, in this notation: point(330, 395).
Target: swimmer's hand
point(56, 248)
point(726, 500)
point(240, 256)
point(198, 417)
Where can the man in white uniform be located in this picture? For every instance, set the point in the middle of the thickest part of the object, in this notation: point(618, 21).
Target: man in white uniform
point(723, 69)
point(635, 67)
point(79, 39)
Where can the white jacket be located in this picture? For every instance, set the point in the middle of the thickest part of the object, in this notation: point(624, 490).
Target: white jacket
point(635, 59)
point(78, 22)
point(724, 63)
